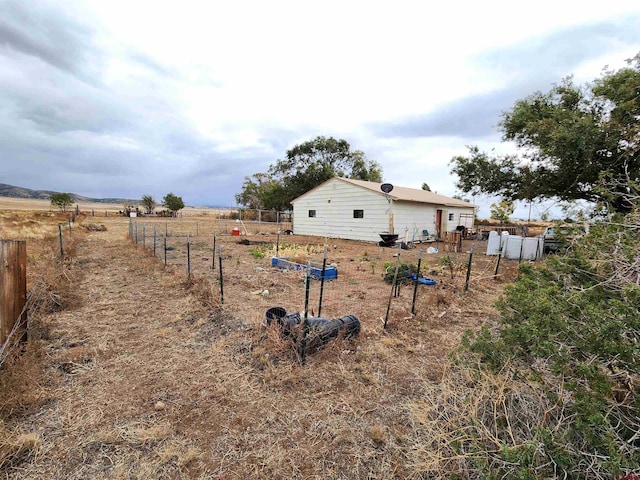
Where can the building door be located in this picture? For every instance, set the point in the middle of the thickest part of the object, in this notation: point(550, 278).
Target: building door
point(438, 223)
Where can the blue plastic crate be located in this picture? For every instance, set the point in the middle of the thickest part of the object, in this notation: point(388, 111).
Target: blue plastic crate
point(330, 272)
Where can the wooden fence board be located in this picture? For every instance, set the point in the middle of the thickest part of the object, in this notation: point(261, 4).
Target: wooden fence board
point(13, 286)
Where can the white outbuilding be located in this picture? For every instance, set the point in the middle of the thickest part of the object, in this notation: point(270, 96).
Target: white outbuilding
point(359, 210)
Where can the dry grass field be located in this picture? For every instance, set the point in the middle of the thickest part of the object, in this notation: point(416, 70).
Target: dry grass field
point(133, 370)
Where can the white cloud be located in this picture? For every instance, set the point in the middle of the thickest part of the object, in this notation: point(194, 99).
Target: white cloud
point(200, 91)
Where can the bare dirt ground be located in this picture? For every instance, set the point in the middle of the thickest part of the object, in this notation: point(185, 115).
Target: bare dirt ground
point(144, 374)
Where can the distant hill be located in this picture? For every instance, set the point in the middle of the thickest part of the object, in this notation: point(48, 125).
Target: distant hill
point(20, 192)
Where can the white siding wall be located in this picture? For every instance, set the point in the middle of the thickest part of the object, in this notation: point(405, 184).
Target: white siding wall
point(334, 204)
point(412, 218)
point(456, 211)
point(335, 201)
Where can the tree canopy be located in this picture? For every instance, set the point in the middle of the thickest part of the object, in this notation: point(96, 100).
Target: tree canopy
point(149, 203)
point(173, 202)
point(260, 191)
point(502, 210)
point(306, 166)
point(574, 142)
point(61, 200)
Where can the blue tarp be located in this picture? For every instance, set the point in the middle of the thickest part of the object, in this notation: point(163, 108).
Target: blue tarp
point(424, 281)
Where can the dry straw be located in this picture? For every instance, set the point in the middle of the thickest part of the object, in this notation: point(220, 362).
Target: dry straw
point(128, 334)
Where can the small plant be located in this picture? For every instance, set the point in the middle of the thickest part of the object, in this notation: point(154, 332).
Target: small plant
point(405, 270)
point(257, 252)
point(447, 262)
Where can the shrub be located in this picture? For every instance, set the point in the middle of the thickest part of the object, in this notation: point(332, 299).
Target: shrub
point(405, 270)
point(573, 328)
point(552, 391)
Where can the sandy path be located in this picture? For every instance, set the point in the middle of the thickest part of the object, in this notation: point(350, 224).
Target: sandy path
point(115, 395)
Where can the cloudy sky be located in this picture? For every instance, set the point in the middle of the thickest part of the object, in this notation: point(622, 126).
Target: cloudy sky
point(124, 98)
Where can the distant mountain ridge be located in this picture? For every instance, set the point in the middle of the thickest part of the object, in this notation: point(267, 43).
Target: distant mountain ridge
point(21, 192)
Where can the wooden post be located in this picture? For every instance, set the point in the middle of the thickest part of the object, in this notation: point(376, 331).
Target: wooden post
point(13, 288)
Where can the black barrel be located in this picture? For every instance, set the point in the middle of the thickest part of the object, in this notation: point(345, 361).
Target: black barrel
point(321, 330)
point(274, 313)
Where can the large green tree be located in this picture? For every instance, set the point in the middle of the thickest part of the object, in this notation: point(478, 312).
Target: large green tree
point(61, 200)
point(259, 191)
point(173, 203)
point(575, 143)
point(306, 166)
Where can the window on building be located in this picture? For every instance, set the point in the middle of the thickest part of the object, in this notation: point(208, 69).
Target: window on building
point(451, 217)
point(312, 213)
point(358, 214)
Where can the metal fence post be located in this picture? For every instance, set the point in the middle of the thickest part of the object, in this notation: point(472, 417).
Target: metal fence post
point(466, 283)
point(393, 287)
point(213, 254)
point(305, 322)
point(60, 235)
point(415, 286)
point(188, 256)
point(221, 278)
point(495, 273)
point(324, 267)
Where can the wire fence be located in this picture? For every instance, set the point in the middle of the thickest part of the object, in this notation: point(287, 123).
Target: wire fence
point(252, 273)
point(17, 335)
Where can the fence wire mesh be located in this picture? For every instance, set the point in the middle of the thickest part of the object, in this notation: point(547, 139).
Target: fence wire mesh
point(267, 269)
point(35, 297)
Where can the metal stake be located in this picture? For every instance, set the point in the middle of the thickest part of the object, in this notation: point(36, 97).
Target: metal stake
point(415, 286)
point(324, 267)
point(221, 280)
point(305, 323)
point(393, 287)
point(466, 283)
